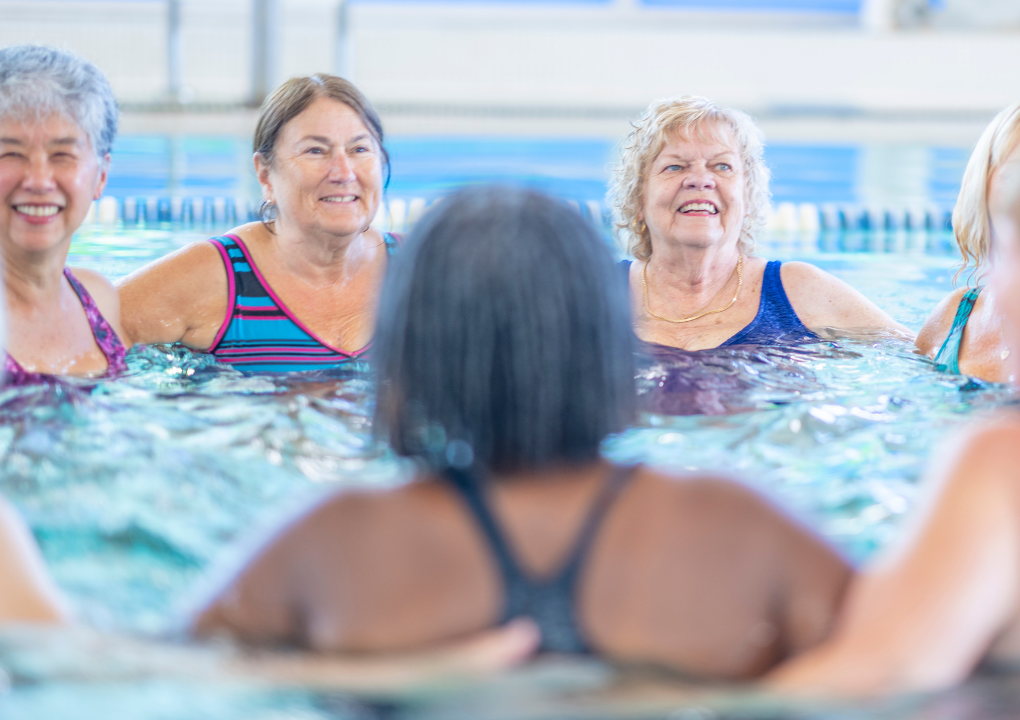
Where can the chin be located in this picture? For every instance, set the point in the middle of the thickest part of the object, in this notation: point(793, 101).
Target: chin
point(36, 242)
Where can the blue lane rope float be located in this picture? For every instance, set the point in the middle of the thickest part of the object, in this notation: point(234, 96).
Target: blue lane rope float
point(400, 215)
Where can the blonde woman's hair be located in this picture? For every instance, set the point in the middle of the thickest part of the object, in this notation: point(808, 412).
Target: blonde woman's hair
point(680, 116)
point(971, 223)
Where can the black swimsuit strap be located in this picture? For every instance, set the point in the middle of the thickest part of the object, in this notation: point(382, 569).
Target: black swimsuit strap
point(548, 601)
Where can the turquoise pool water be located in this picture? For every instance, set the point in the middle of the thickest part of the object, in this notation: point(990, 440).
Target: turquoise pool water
point(134, 487)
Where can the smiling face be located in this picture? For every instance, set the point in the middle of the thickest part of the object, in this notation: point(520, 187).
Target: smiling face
point(49, 175)
point(326, 176)
point(695, 190)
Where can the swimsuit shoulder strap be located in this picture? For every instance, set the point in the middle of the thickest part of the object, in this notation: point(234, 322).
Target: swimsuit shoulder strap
point(596, 515)
point(393, 242)
point(106, 338)
point(774, 299)
point(948, 356)
point(549, 602)
point(776, 321)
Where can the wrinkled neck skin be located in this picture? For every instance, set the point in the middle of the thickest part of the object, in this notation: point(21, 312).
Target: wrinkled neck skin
point(321, 259)
point(33, 279)
point(692, 270)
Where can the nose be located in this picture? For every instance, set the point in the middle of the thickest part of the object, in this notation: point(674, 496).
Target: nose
point(699, 178)
point(341, 170)
point(38, 176)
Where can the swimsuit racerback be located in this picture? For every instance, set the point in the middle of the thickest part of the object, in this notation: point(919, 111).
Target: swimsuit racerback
point(948, 356)
point(106, 338)
point(550, 602)
point(260, 333)
point(776, 322)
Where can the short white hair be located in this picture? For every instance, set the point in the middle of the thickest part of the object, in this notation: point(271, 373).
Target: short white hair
point(37, 81)
point(668, 118)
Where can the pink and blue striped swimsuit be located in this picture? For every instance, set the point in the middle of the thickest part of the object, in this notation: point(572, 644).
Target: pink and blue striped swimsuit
point(260, 333)
point(106, 338)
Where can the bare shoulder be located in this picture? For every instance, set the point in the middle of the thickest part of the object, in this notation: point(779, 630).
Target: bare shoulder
point(101, 290)
point(181, 297)
point(107, 299)
point(715, 498)
point(936, 327)
point(197, 257)
point(822, 300)
point(801, 279)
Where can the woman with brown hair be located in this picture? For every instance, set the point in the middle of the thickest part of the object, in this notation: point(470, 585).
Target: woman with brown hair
point(963, 334)
point(298, 290)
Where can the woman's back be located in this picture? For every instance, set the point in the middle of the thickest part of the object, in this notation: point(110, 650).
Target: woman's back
point(699, 574)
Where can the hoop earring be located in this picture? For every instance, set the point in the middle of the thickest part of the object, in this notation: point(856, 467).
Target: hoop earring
point(267, 214)
point(634, 227)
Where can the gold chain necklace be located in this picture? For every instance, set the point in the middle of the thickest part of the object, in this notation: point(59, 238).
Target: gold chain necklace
point(702, 313)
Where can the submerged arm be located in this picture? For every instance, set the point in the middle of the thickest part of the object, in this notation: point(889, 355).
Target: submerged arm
point(27, 593)
point(822, 300)
point(925, 616)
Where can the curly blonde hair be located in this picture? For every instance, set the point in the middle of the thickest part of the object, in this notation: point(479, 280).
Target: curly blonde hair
point(676, 116)
point(971, 222)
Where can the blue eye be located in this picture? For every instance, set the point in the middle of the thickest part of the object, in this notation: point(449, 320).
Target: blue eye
point(316, 151)
point(672, 167)
point(360, 149)
point(724, 166)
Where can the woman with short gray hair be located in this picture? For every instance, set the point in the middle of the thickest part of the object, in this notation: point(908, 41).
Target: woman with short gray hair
point(691, 195)
point(58, 120)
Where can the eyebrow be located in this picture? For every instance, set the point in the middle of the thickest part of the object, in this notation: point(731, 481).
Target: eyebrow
point(675, 156)
point(58, 141)
point(327, 141)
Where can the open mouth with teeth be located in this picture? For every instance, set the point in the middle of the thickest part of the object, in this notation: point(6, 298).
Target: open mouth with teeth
point(38, 210)
point(340, 198)
point(41, 212)
point(699, 208)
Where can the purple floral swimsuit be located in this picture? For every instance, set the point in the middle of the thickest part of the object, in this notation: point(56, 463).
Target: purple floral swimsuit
point(105, 336)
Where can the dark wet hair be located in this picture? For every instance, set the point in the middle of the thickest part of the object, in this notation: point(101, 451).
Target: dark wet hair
point(504, 336)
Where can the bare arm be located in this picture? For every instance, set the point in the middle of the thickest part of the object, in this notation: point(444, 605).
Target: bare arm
point(179, 298)
point(822, 300)
point(936, 327)
point(926, 614)
point(27, 593)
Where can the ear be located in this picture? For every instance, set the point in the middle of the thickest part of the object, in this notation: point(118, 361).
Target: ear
point(262, 173)
point(104, 174)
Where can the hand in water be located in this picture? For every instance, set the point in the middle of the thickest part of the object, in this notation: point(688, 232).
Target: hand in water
point(480, 655)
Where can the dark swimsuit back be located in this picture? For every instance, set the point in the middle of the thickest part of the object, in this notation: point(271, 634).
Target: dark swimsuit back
point(776, 322)
point(551, 602)
point(948, 356)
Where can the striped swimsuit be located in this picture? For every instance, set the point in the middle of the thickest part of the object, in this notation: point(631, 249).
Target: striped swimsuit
point(260, 333)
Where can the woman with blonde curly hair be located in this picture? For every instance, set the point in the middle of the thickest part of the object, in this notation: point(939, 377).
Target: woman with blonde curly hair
point(691, 194)
point(963, 334)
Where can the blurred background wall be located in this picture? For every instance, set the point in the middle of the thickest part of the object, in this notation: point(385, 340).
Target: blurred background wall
point(575, 66)
point(867, 102)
